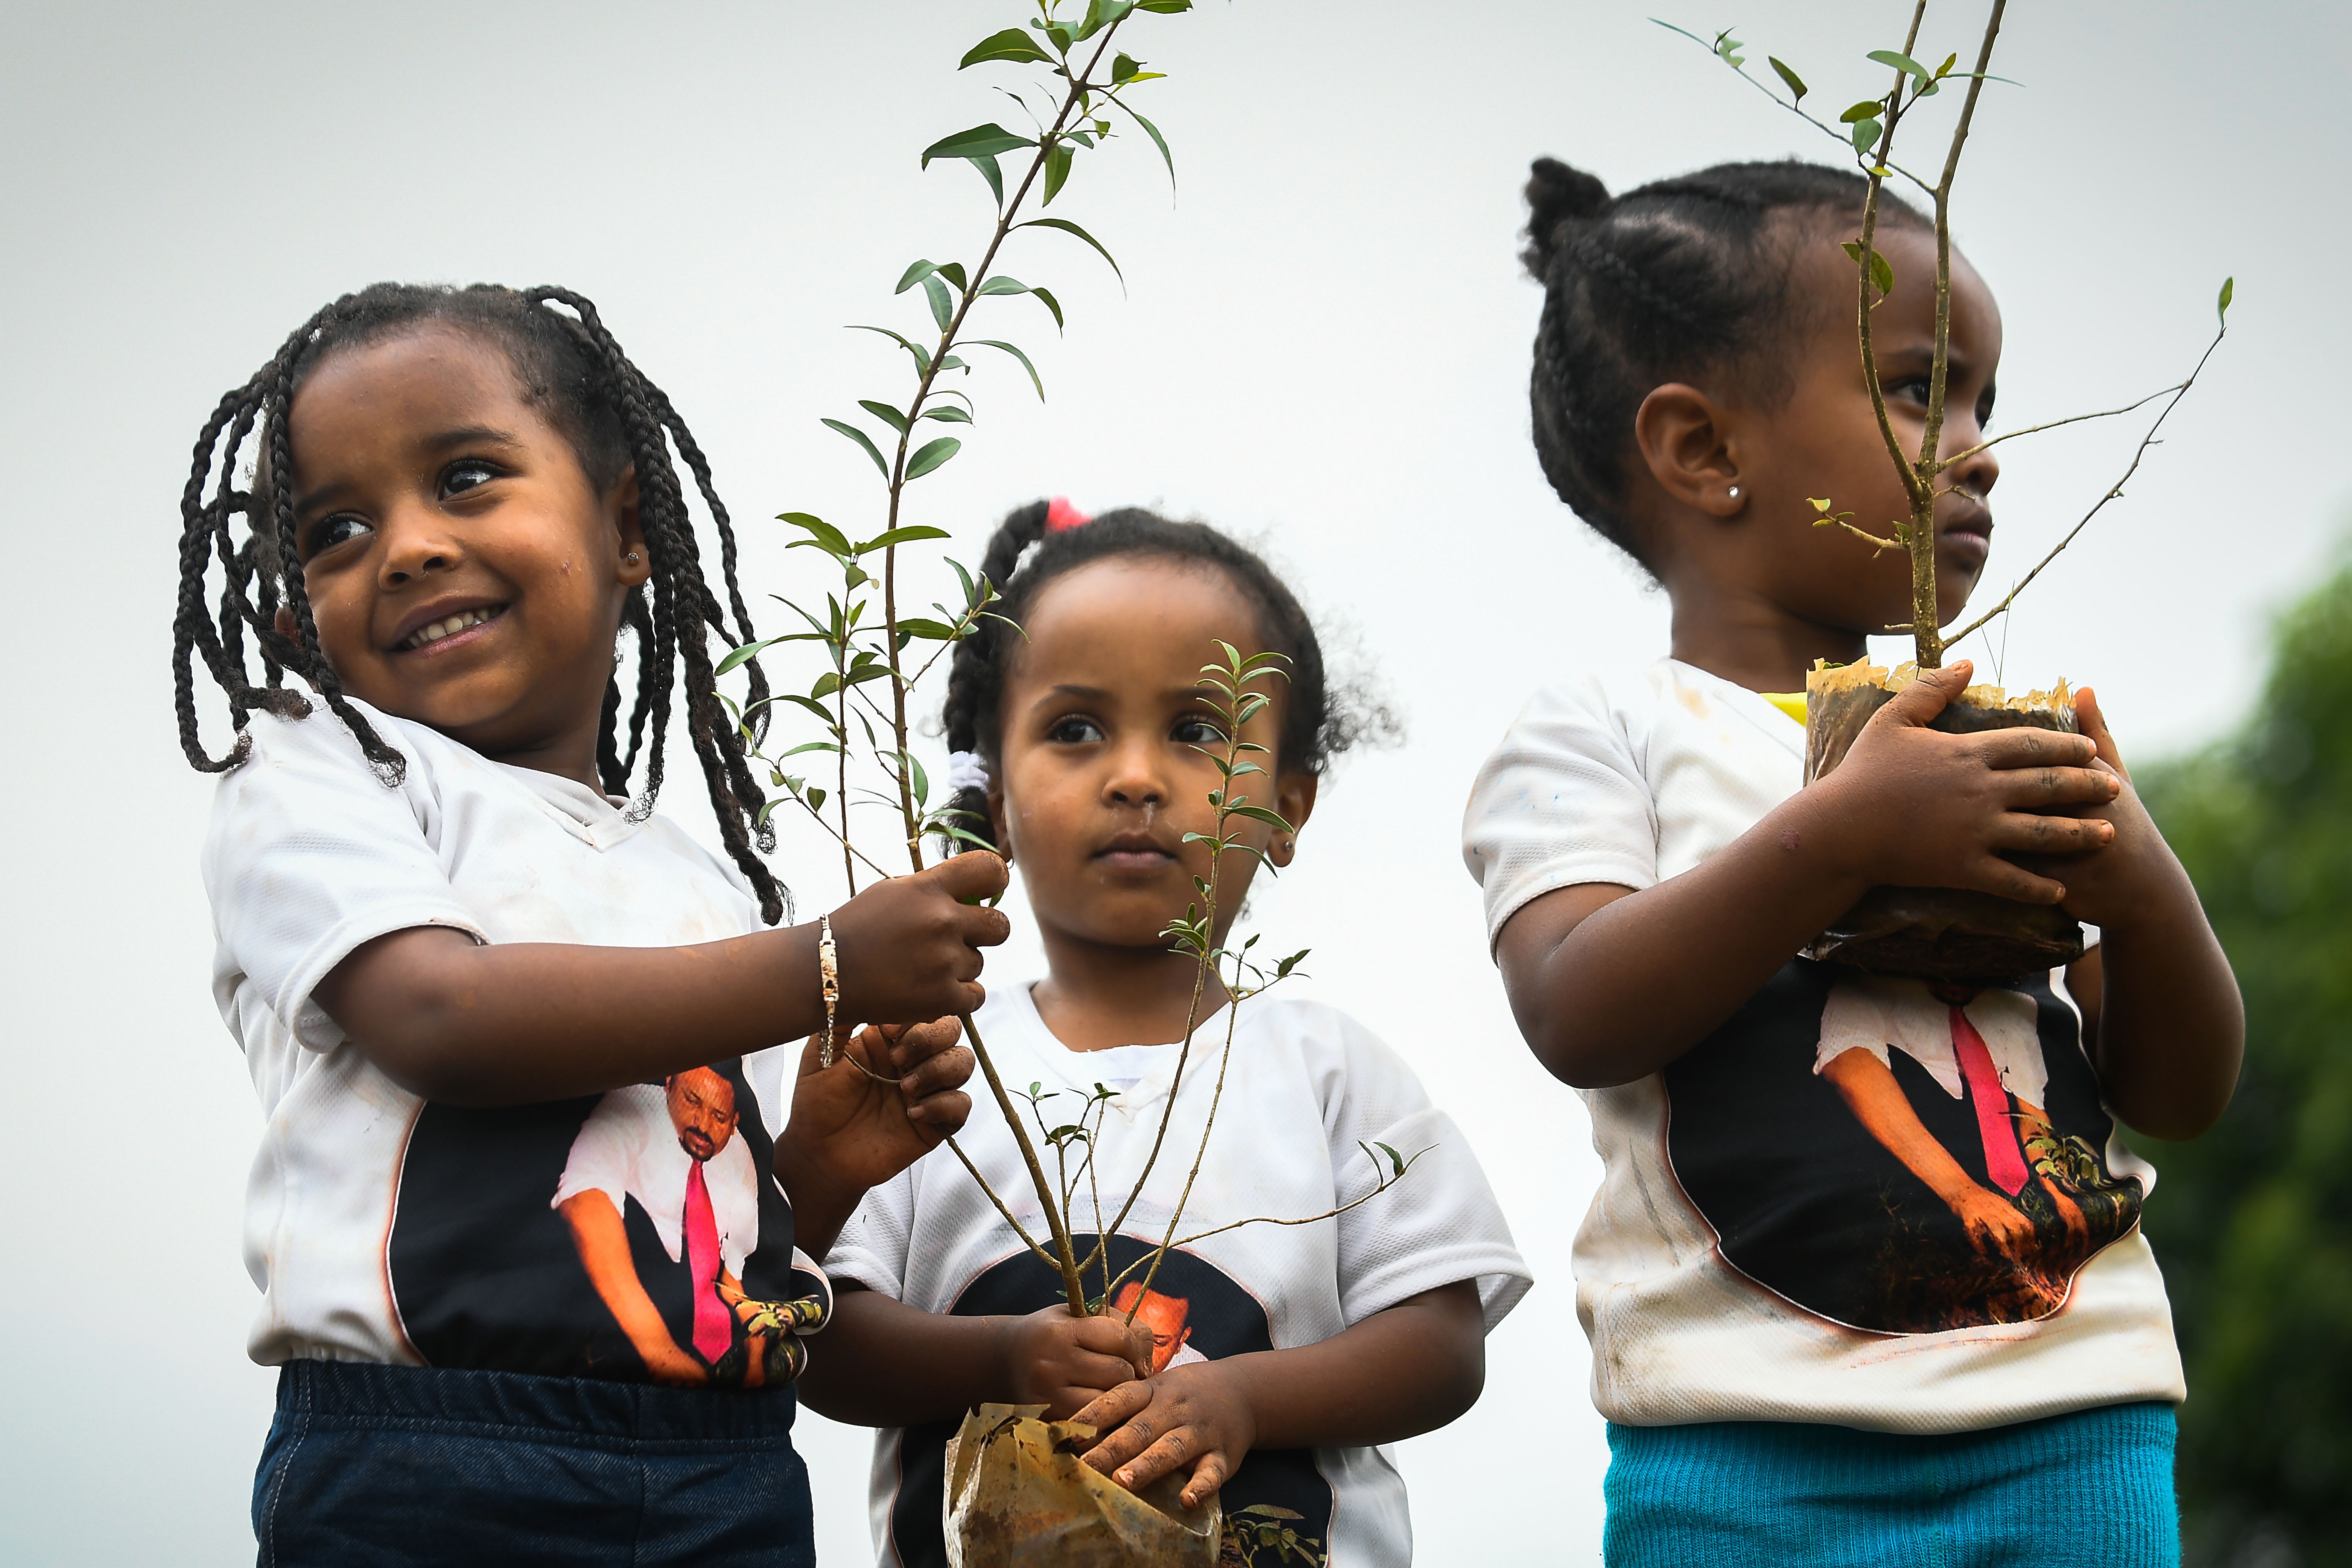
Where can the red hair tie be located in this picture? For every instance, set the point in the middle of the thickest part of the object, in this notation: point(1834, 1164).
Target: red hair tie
point(1061, 516)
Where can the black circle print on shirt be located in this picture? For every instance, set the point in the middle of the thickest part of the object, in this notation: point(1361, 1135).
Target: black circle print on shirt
point(1196, 1313)
point(487, 1273)
point(1812, 1179)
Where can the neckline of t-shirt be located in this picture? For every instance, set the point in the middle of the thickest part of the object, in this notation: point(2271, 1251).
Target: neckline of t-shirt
point(1158, 1056)
point(1754, 705)
point(590, 815)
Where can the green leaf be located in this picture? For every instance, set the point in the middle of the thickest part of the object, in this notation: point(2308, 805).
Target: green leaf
point(1101, 13)
point(815, 796)
point(928, 629)
point(1868, 109)
point(922, 782)
point(1001, 284)
point(1882, 274)
point(1016, 354)
point(1051, 304)
point(1057, 171)
point(1066, 227)
point(1796, 83)
point(898, 536)
point(855, 434)
point(914, 274)
point(1866, 135)
point(885, 413)
point(922, 355)
point(992, 174)
point(980, 142)
point(942, 307)
point(827, 538)
point(1260, 814)
point(931, 455)
point(1396, 1161)
point(953, 272)
point(1901, 62)
point(948, 414)
point(1123, 68)
point(811, 746)
point(736, 657)
point(1012, 44)
point(1157, 141)
point(1165, 7)
point(2229, 291)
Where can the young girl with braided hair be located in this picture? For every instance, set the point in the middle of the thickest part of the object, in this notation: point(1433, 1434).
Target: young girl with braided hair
point(525, 1211)
point(1265, 1362)
point(1863, 1280)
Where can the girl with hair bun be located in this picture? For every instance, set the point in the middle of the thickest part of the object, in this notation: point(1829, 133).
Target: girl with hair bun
point(1864, 1280)
point(1265, 1363)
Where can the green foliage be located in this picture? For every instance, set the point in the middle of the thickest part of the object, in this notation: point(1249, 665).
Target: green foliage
point(2253, 1222)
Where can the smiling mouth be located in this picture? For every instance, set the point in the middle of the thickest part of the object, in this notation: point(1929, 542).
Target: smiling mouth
point(449, 626)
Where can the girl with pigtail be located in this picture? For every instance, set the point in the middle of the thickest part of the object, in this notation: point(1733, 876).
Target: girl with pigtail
point(1864, 1280)
point(1265, 1362)
point(538, 1168)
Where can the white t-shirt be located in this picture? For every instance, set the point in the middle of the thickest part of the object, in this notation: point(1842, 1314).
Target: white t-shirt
point(1307, 1083)
point(1755, 1251)
point(381, 1227)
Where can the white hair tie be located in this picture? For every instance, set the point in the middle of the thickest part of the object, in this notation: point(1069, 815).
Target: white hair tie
point(966, 771)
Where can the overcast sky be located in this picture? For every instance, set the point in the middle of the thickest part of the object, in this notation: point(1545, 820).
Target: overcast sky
point(1322, 343)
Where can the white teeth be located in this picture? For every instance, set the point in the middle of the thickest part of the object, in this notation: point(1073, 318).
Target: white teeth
point(435, 631)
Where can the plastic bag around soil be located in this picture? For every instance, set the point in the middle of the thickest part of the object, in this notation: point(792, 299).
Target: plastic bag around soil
point(1017, 1494)
point(1935, 933)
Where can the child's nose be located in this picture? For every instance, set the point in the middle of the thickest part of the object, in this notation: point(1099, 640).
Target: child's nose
point(1133, 781)
point(414, 545)
point(1979, 471)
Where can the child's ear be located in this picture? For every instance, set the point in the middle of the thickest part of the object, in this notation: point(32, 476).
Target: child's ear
point(1690, 445)
point(634, 564)
point(1293, 800)
point(998, 827)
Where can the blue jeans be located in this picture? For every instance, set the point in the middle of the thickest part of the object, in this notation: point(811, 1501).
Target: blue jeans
point(370, 1465)
point(2092, 1486)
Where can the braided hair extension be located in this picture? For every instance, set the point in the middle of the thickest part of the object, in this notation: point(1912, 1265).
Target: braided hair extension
point(569, 366)
point(1024, 556)
point(1676, 281)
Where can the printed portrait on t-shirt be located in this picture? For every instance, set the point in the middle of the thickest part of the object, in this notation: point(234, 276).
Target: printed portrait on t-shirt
point(635, 1235)
point(1900, 1155)
point(1196, 1313)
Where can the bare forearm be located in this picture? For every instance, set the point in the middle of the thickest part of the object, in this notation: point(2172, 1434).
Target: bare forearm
point(2171, 1027)
point(881, 1362)
point(516, 1023)
point(1609, 989)
point(1398, 1374)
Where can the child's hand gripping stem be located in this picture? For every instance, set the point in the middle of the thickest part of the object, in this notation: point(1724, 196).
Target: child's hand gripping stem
point(1610, 984)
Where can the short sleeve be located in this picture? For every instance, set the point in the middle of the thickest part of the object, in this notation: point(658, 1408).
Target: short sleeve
point(601, 1160)
point(1562, 801)
point(310, 854)
point(1436, 1225)
point(872, 1250)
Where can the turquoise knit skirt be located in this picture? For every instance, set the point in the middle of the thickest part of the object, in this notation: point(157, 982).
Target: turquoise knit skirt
point(2092, 1486)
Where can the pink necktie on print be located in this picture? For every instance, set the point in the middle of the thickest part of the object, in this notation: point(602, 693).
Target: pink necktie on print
point(714, 1327)
point(2003, 1164)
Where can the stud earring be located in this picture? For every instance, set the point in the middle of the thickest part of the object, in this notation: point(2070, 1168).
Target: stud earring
point(1733, 493)
point(632, 556)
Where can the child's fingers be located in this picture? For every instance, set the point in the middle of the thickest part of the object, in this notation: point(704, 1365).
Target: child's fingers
point(933, 1075)
point(2007, 879)
point(975, 874)
point(2094, 721)
point(1208, 1477)
point(2027, 749)
point(2020, 833)
point(913, 1044)
point(1111, 1413)
point(942, 1113)
point(1170, 1452)
point(1924, 698)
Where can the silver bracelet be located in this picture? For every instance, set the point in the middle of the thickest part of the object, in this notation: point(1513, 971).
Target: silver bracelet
point(828, 963)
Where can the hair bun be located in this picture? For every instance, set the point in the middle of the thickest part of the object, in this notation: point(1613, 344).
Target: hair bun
point(1557, 192)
